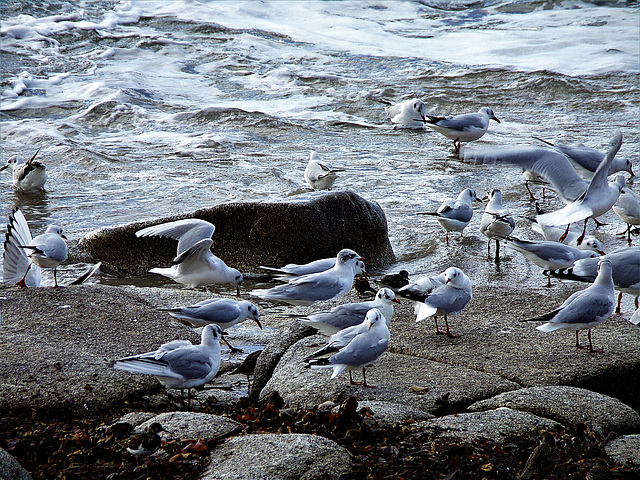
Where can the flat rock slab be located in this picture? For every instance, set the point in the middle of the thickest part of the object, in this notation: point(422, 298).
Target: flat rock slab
point(625, 450)
point(59, 345)
point(285, 457)
point(10, 469)
point(495, 340)
point(428, 386)
point(190, 425)
point(386, 414)
point(569, 406)
point(496, 425)
point(324, 223)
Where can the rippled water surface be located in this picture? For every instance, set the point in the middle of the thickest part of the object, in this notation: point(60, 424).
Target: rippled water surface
point(148, 109)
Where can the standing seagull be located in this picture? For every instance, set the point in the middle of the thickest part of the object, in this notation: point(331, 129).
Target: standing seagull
point(584, 309)
point(496, 222)
point(47, 251)
point(29, 176)
point(462, 128)
point(356, 347)
point(446, 294)
point(318, 174)
point(455, 215)
point(317, 287)
point(627, 207)
point(179, 364)
point(194, 265)
point(408, 114)
point(16, 264)
point(350, 314)
point(224, 312)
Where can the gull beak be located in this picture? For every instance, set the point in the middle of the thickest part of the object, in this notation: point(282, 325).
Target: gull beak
point(495, 118)
point(258, 322)
point(630, 171)
point(485, 198)
point(395, 300)
point(600, 252)
point(447, 281)
point(5, 167)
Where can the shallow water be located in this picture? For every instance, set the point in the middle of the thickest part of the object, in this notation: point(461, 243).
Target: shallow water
point(148, 109)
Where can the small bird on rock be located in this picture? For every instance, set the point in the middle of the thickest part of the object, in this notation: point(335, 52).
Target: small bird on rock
point(146, 443)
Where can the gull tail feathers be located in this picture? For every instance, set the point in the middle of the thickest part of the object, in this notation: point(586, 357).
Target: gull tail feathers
point(144, 365)
point(424, 312)
point(569, 214)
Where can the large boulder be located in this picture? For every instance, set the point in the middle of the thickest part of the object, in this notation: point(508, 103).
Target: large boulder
point(10, 469)
point(309, 227)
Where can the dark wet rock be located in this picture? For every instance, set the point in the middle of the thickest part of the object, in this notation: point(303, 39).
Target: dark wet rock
point(285, 457)
point(428, 386)
point(311, 226)
point(568, 405)
point(10, 469)
point(625, 450)
point(496, 425)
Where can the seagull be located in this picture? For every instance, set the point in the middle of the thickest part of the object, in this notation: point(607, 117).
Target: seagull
point(316, 287)
point(496, 222)
point(584, 309)
point(16, 264)
point(147, 443)
point(586, 160)
point(46, 251)
point(626, 272)
point(179, 364)
point(627, 207)
point(446, 294)
point(194, 265)
point(462, 128)
point(395, 280)
point(29, 176)
point(553, 234)
point(350, 314)
point(455, 215)
point(356, 347)
point(549, 255)
point(408, 114)
point(295, 269)
point(584, 199)
point(318, 174)
point(224, 312)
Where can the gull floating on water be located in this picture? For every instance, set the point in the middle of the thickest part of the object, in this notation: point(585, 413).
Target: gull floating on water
point(627, 207)
point(179, 364)
point(316, 287)
point(356, 347)
point(455, 215)
point(194, 265)
point(224, 312)
point(318, 174)
point(549, 255)
point(496, 222)
point(350, 314)
point(584, 309)
point(409, 114)
point(462, 128)
point(446, 294)
point(29, 176)
point(16, 265)
point(586, 160)
point(625, 264)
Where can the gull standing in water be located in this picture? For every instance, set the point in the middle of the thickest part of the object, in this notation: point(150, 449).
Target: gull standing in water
point(627, 207)
point(46, 251)
point(317, 287)
point(224, 312)
point(446, 294)
point(350, 314)
point(496, 222)
point(455, 215)
point(356, 347)
point(462, 128)
point(194, 265)
point(584, 309)
point(16, 264)
point(408, 114)
point(318, 174)
point(179, 364)
point(29, 176)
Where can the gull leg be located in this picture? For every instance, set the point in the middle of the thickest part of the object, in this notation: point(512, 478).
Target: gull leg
point(21, 283)
point(489, 249)
point(619, 306)
point(591, 349)
point(232, 348)
point(456, 146)
point(497, 259)
point(446, 238)
point(351, 380)
point(449, 334)
point(55, 280)
point(578, 341)
point(364, 378)
point(564, 235)
point(438, 331)
point(531, 197)
point(584, 231)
